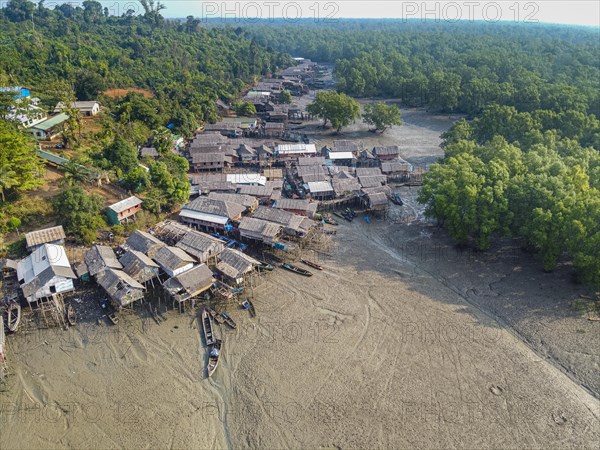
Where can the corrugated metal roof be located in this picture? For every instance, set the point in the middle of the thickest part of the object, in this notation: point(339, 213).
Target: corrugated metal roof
point(320, 186)
point(204, 217)
point(46, 235)
point(51, 122)
point(340, 155)
point(124, 205)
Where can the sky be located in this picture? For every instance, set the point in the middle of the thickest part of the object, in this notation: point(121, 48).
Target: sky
point(577, 12)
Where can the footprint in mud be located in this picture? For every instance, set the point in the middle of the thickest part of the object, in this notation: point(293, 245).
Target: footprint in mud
point(559, 418)
point(496, 390)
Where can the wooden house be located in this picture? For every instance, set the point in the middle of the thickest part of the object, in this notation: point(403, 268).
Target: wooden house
point(124, 210)
point(144, 242)
point(173, 260)
point(99, 258)
point(53, 235)
point(122, 289)
point(210, 213)
point(139, 266)
point(201, 246)
point(386, 153)
point(235, 265)
point(259, 230)
point(186, 286)
point(45, 273)
point(301, 207)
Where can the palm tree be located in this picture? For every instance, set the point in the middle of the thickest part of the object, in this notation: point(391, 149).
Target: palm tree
point(75, 174)
point(8, 179)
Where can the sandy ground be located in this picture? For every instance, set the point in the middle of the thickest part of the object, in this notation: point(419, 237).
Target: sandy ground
point(402, 341)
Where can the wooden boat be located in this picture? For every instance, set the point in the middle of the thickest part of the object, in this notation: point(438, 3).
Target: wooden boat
point(213, 357)
point(13, 317)
point(297, 270)
point(330, 221)
point(71, 320)
point(228, 320)
point(264, 266)
point(215, 315)
point(209, 335)
point(396, 199)
point(113, 318)
point(341, 216)
point(311, 264)
point(247, 304)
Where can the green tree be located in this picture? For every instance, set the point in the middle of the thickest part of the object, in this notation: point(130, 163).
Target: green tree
point(337, 108)
point(20, 168)
point(79, 213)
point(121, 154)
point(245, 109)
point(285, 96)
point(381, 116)
point(75, 173)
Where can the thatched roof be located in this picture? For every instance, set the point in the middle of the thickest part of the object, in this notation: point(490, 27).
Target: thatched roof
point(189, 284)
point(120, 287)
point(138, 266)
point(235, 264)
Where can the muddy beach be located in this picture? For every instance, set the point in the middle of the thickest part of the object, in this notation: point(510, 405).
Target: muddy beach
point(401, 341)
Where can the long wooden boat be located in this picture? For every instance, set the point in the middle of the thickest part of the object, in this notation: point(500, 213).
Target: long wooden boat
point(247, 304)
point(228, 320)
point(341, 216)
point(266, 267)
point(213, 357)
point(209, 335)
point(13, 317)
point(330, 221)
point(311, 264)
point(297, 270)
point(215, 315)
point(71, 320)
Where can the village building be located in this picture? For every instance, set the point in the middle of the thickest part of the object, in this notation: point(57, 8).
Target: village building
point(297, 206)
point(86, 108)
point(293, 224)
point(230, 129)
point(201, 246)
point(122, 211)
point(341, 158)
point(148, 152)
point(345, 187)
point(212, 162)
point(50, 128)
point(208, 138)
point(234, 265)
point(346, 146)
point(246, 153)
point(259, 230)
point(222, 107)
point(320, 190)
point(210, 213)
point(292, 151)
point(247, 179)
point(122, 289)
point(173, 260)
point(273, 174)
point(310, 161)
point(396, 167)
point(26, 116)
point(386, 153)
point(144, 242)
point(99, 258)
point(248, 201)
point(262, 193)
point(53, 235)
point(264, 153)
point(186, 286)
point(139, 266)
point(45, 273)
point(377, 202)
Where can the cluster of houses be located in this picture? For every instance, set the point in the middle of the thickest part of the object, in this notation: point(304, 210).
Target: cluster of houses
point(33, 118)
